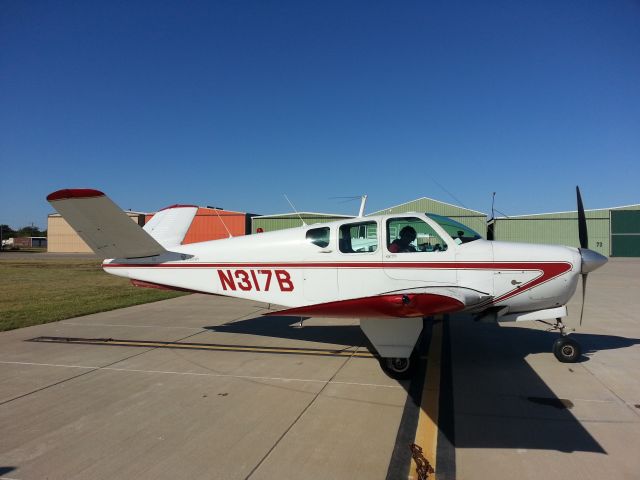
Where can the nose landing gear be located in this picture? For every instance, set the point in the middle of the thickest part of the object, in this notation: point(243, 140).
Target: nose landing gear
point(566, 349)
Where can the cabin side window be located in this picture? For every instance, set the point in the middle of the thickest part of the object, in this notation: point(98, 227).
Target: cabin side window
point(412, 234)
point(319, 236)
point(359, 237)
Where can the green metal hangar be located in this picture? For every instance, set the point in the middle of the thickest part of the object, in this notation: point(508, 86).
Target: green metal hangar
point(613, 231)
point(471, 218)
point(280, 221)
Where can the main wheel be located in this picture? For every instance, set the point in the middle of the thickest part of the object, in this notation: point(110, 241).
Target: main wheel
point(400, 368)
point(567, 350)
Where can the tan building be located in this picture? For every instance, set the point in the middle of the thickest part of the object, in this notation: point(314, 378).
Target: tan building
point(64, 239)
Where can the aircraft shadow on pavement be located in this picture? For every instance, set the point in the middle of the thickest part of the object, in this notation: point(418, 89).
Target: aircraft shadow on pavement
point(501, 402)
point(283, 327)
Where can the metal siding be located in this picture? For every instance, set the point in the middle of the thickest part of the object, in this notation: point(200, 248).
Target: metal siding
point(209, 224)
point(626, 246)
point(470, 218)
point(61, 238)
point(625, 233)
point(281, 222)
point(556, 229)
point(625, 221)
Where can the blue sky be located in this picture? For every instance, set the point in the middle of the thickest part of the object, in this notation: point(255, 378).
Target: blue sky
point(234, 103)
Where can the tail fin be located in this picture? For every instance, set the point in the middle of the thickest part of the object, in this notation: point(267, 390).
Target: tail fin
point(103, 225)
point(170, 225)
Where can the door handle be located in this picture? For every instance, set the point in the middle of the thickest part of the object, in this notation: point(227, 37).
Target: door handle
point(326, 250)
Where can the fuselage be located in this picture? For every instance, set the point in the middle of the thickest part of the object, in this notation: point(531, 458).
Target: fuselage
point(359, 258)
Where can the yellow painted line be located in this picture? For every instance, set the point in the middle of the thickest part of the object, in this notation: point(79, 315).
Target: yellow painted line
point(177, 345)
point(427, 431)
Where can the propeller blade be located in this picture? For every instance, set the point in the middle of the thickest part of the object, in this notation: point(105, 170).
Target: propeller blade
point(584, 291)
point(582, 222)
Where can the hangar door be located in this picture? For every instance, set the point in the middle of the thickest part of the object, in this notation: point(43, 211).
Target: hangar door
point(625, 233)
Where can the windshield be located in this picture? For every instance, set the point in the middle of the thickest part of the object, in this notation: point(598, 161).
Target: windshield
point(459, 232)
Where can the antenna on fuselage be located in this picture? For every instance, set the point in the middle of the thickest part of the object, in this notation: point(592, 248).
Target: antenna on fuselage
point(223, 224)
point(491, 224)
point(493, 202)
point(294, 209)
point(363, 202)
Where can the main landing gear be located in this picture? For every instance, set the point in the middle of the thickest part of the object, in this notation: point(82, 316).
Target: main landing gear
point(566, 349)
point(394, 340)
point(400, 368)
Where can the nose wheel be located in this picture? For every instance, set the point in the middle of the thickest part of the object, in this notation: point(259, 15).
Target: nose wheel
point(566, 349)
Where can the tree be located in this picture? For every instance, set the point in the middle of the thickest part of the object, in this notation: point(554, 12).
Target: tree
point(7, 231)
point(29, 231)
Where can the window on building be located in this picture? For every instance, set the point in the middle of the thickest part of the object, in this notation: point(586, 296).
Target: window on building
point(319, 236)
point(359, 237)
point(412, 234)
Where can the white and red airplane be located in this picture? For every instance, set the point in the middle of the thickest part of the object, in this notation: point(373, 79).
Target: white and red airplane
point(389, 271)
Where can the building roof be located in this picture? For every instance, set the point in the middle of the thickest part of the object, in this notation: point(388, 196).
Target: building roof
point(632, 206)
point(297, 214)
point(380, 212)
point(55, 214)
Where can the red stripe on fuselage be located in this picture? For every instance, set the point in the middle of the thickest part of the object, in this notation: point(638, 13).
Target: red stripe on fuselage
point(426, 265)
point(549, 270)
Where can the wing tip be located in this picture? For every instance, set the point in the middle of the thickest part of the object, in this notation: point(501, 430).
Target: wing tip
point(67, 193)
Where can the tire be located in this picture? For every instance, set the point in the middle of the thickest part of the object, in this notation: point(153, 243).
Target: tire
point(400, 368)
point(567, 350)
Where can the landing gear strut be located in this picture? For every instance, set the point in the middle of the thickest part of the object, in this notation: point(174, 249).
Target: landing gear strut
point(566, 349)
point(394, 341)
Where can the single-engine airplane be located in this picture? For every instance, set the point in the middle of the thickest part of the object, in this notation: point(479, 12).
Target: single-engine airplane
point(389, 271)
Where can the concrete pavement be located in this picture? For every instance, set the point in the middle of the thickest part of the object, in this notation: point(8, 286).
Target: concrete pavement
point(75, 411)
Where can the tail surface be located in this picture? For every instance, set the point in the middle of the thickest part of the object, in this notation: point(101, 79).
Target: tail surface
point(170, 225)
point(103, 225)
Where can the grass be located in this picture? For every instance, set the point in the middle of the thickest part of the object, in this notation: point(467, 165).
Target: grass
point(41, 291)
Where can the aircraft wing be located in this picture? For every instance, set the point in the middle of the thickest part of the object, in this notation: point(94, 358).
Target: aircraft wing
point(415, 302)
point(103, 225)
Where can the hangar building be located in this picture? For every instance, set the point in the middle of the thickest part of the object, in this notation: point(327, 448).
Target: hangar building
point(268, 223)
point(211, 223)
point(471, 218)
point(613, 231)
point(61, 238)
point(208, 224)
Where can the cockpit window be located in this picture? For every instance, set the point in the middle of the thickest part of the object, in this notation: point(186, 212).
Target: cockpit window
point(412, 234)
point(459, 232)
point(318, 236)
point(358, 237)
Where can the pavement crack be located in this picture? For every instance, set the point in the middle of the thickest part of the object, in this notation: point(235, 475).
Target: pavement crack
point(297, 419)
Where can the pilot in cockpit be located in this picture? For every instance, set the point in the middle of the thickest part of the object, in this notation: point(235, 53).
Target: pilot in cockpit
point(403, 244)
